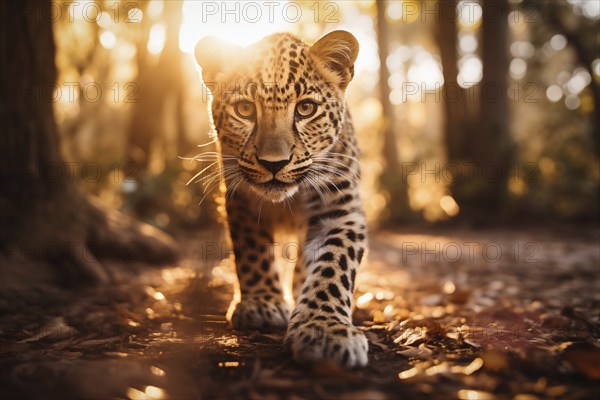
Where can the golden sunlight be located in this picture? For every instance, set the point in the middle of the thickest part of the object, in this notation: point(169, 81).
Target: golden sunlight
point(156, 41)
point(235, 22)
point(245, 23)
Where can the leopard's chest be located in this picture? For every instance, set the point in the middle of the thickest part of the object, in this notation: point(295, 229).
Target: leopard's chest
point(288, 217)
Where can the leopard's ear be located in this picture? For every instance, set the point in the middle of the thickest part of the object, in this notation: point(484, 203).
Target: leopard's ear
point(214, 56)
point(338, 51)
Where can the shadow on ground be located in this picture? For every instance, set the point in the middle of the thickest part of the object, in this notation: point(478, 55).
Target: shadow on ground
point(449, 314)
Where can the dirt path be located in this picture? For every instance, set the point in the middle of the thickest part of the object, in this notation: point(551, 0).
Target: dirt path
point(449, 314)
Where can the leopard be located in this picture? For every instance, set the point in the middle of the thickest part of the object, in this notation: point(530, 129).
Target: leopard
point(290, 163)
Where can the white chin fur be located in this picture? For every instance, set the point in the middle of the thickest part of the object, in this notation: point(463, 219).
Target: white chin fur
point(274, 196)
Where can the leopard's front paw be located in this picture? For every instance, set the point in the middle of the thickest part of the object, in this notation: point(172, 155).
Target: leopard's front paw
point(316, 340)
point(258, 312)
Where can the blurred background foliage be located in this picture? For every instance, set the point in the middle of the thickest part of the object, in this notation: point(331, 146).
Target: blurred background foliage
point(131, 107)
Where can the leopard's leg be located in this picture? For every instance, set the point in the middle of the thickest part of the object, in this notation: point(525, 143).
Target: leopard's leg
point(321, 325)
point(262, 304)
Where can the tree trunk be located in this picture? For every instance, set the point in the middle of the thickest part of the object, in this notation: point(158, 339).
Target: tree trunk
point(392, 178)
point(144, 123)
point(491, 143)
point(457, 120)
point(42, 212)
point(477, 144)
point(161, 87)
point(159, 80)
point(456, 128)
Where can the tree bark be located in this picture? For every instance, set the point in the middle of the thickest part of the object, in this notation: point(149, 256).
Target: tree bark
point(491, 143)
point(477, 143)
point(392, 178)
point(42, 212)
point(456, 128)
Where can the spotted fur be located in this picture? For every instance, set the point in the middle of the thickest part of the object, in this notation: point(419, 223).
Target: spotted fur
point(290, 162)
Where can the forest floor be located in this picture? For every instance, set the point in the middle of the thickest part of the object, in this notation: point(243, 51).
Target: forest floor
point(449, 313)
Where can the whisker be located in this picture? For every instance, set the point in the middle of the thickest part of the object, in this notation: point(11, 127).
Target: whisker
point(342, 143)
point(260, 210)
point(327, 160)
point(216, 174)
point(287, 202)
point(238, 181)
point(208, 191)
point(352, 177)
point(343, 155)
point(212, 155)
point(200, 173)
point(313, 184)
point(207, 144)
point(330, 181)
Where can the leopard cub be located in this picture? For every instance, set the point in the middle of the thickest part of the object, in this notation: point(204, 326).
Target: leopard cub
point(290, 163)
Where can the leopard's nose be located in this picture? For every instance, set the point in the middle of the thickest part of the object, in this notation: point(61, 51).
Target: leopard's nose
point(274, 166)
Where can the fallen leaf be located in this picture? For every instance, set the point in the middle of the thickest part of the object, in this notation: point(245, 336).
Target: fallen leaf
point(460, 296)
point(525, 396)
point(54, 330)
point(90, 344)
point(377, 341)
point(585, 358)
point(411, 336)
point(331, 369)
point(556, 322)
point(432, 300)
point(475, 395)
point(422, 352)
point(578, 316)
point(365, 394)
point(494, 360)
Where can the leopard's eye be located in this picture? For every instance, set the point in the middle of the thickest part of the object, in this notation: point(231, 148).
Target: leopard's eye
point(306, 108)
point(245, 109)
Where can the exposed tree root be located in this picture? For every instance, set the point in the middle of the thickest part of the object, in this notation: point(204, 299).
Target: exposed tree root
point(74, 231)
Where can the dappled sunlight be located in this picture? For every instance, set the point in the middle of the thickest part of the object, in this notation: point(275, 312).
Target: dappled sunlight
point(447, 321)
point(415, 93)
point(438, 324)
point(150, 392)
point(476, 128)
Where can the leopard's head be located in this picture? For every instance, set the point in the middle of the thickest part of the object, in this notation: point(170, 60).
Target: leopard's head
point(277, 106)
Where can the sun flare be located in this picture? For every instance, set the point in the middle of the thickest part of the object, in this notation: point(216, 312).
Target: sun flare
point(235, 22)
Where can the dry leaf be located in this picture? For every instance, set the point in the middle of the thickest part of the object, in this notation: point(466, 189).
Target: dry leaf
point(56, 329)
point(556, 322)
point(365, 394)
point(585, 358)
point(422, 352)
point(494, 360)
point(432, 300)
point(460, 296)
point(377, 341)
point(331, 369)
point(411, 336)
